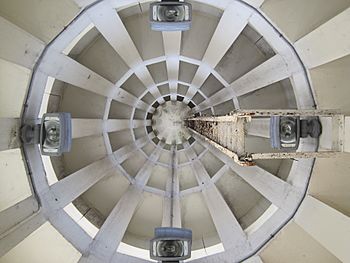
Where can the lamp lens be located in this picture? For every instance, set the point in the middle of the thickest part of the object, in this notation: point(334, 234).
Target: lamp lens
point(171, 13)
point(52, 139)
point(288, 130)
point(170, 248)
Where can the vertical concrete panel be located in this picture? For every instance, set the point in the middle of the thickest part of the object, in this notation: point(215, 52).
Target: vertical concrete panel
point(326, 225)
point(42, 246)
point(42, 19)
point(14, 81)
point(297, 18)
point(293, 245)
point(14, 184)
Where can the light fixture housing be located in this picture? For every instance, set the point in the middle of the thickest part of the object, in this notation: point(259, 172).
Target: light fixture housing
point(170, 16)
point(285, 132)
point(55, 133)
point(171, 244)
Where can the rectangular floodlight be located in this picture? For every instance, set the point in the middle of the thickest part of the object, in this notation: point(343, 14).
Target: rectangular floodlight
point(171, 244)
point(55, 133)
point(170, 16)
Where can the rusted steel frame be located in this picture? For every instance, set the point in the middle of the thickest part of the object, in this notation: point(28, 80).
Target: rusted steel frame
point(225, 118)
point(229, 134)
point(248, 114)
point(243, 161)
point(338, 133)
point(293, 155)
point(294, 113)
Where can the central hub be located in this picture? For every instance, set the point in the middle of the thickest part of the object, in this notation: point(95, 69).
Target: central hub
point(168, 122)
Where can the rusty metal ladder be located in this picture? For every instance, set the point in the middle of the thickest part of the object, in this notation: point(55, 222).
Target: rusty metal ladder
point(228, 133)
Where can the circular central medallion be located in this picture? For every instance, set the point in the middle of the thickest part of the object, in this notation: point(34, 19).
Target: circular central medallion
point(168, 122)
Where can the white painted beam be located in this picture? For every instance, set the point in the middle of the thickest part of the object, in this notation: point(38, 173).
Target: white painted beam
point(86, 127)
point(112, 231)
point(71, 187)
point(128, 150)
point(292, 62)
point(172, 212)
point(118, 258)
point(127, 98)
point(9, 133)
point(231, 24)
point(74, 32)
point(12, 238)
point(278, 192)
point(172, 45)
point(301, 169)
point(107, 240)
point(269, 72)
point(216, 99)
point(66, 69)
point(89, 127)
point(70, 229)
point(230, 231)
point(18, 46)
point(49, 210)
point(108, 22)
point(327, 226)
point(327, 43)
point(14, 215)
point(222, 4)
point(119, 125)
point(274, 189)
point(259, 127)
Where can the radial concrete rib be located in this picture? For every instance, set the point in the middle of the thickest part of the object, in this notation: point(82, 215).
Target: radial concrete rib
point(107, 240)
point(121, 258)
point(278, 192)
point(327, 43)
point(230, 231)
point(70, 229)
point(89, 127)
point(49, 210)
point(9, 134)
point(172, 45)
point(332, 229)
point(232, 23)
point(128, 150)
point(299, 78)
point(86, 127)
point(225, 257)
point(222, 4)
point(108, 22)
point(17, 213)
point(68, 70)
point(71, 187)
point(171, 205)
point(125, 97)
point(21, 48)
point(12, 238)
point(269, 72)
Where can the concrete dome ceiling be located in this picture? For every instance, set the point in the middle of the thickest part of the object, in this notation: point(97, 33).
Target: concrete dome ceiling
point(124, 84)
